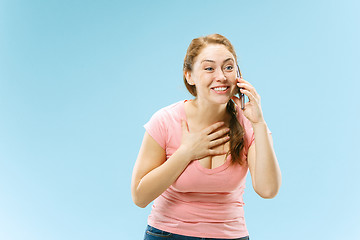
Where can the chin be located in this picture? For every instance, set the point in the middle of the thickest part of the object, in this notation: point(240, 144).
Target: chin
point(222, 100)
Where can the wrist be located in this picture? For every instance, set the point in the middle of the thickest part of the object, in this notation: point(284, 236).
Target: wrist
point(185, 153)
point(260, 124)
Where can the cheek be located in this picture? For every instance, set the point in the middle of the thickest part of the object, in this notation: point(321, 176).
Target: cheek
point(234, 87)
point(203, 80)
point(232, 80)
point(231, 75)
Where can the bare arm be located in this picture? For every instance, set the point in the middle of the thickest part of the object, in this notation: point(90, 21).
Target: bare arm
point(263, 165)
point(152, 175)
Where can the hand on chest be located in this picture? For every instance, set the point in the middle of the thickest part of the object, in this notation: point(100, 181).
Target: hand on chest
point(212, 162)
point(215, 161)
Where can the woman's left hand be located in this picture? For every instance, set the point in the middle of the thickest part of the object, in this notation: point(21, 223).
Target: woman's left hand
point(252, 109)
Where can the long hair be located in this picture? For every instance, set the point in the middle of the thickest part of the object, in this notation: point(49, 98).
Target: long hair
point(236, 130)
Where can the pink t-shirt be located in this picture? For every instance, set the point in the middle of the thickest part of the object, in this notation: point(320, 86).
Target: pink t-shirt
point(202, 202)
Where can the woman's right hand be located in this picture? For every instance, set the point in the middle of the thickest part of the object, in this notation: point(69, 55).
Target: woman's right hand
point(200, 144)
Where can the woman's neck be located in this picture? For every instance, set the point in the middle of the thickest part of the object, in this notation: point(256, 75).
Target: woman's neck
point(207, 113)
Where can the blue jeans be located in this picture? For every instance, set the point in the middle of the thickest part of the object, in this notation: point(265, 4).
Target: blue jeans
point(152, 233)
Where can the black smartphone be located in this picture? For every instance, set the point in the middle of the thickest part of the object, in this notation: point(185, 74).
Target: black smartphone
point(241, 95)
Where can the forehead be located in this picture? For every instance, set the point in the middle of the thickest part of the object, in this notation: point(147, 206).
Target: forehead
point(215, 52)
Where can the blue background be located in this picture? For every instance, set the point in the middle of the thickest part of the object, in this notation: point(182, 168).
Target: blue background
point(78, 79)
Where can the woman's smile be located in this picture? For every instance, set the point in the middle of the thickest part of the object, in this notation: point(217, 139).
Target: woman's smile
point(220, 89)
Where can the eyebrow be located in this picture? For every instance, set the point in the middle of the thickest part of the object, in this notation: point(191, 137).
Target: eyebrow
point(208, 60)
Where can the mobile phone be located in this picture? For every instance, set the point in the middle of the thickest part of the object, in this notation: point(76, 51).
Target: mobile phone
point(241, 95)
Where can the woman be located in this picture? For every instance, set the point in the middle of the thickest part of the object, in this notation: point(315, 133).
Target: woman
point(196, 153)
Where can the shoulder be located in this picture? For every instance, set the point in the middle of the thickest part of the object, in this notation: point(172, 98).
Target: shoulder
point(161, 124)
point(175, 107)
point(169, 112)
point(167, 115)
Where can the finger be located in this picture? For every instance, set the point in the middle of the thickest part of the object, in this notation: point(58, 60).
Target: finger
point(218, 142)
point(244, 81)
point(250, 95)
point(184, 126)
point(246, 85)
point(213, 127)
point(236, 100)
point(216, 152)
point(218, 134)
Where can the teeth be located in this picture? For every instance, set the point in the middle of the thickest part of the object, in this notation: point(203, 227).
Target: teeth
point(220, 88)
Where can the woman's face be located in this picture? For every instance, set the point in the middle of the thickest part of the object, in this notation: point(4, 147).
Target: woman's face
point(214, 74)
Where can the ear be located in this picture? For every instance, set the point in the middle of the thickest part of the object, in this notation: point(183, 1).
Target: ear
point(189, 78)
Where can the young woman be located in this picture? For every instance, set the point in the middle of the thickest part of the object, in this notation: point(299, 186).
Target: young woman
point(196, 153)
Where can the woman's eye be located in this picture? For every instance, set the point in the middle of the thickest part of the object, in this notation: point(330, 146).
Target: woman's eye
point(229, 68)
point(209, 69)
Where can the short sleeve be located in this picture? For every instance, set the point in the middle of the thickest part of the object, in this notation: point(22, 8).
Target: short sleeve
point(252, 134)
point(157, 129)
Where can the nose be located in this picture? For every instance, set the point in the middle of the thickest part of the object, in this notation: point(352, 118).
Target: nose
point(219, 75)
